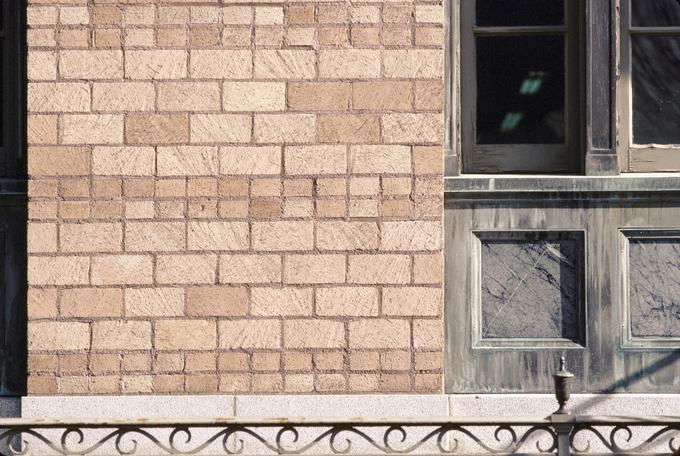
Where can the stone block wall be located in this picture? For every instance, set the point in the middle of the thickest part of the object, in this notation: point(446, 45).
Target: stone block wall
point(237, 197)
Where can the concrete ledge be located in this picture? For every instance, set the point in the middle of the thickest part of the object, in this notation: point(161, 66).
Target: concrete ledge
point(386, 405)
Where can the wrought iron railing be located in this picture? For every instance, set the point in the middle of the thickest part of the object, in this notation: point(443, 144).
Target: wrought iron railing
point(561, 433)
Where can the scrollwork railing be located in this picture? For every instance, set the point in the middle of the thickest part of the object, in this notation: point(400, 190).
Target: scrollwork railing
point(560, 435)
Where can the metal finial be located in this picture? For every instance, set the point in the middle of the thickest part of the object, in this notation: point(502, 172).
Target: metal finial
point(563, 381)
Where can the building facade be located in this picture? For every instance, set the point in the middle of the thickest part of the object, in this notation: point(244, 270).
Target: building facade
point(234, 198)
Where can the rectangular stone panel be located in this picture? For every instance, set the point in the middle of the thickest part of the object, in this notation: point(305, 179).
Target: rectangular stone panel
point(531, 285)
point(654, 285)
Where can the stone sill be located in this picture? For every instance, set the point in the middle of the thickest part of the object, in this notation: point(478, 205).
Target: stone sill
point(624, 185)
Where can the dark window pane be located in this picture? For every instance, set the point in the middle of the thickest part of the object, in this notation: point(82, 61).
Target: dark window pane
point(654, 287)
point(519, 12)
point(531, 289)
point(520, 90)
point(656, 89)
point(655, 13)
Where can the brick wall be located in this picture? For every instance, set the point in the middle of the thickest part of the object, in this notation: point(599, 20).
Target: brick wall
point(235, 197)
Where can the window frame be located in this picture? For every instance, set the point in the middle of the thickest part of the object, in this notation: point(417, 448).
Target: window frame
point(639, 158)
point(599, 89)
point(564, 158)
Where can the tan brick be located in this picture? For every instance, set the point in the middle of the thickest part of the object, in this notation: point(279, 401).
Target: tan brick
point(428, 160)
point(349, 128)
point(168, 383)
point(41, 303)
point(364, 382)
point(233, 383)
point(361, 361)
point(315, 160)
point(412, 301)
point(334, 36)
point(220, 128)
point(63, 270)
point(91, 302)
point(58, 161)
point(192, 269)
point(250, 160)
point(430, 13)
point(331, 382)
point(185, 335)
point(254, 96)
point(347, 301)
point(136, 362)
point(91, 237)
point(188, 96)
point(221, 64)
point(292, 235)
point(413, 63)
point(314, 269)
point(364, 186)
point(428, 334)
point(123, 96)
point(157, 128)
point(285, 64)
point(201, 362)
point(285, 128)
point(365, 36)
point(294, 361)
point(91, 64)
point(411, 235)
point(73, 385)
point(250, 268)
point(382, 95)
point(156, 64)
point(395, 360)
point(218, 236)
point(155, 236)
point(131, 161)
point(240, 334)
point(216, 301)
point(58, 335)
point(269, 302)
point(42, 237)
point(122, 269)
point(395, 382)
point(379, 334)
point(429, 95)
point(92, 129)
point(318, 96)
point(41, 129)
point(41, 15)
point(154, 302)
point(58, 97)
point(377, 269)
point(413, 128)
point(429, 361)
point(187, 161)
point(119, 335)
point(349, 63)
point(347, 235)
point(380, 159)
point(314, 334)
point(428, 268)
point(168, 362)
point(232, 361)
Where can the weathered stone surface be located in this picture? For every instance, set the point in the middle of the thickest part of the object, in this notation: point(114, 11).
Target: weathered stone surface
point(314, 334)
point(347, 301)
point(239, 334)
point(270, 302)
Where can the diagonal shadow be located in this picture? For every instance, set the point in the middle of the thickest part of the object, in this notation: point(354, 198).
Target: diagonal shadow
point(624, 382)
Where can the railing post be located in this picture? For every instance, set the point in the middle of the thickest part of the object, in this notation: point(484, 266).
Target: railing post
point(561, 418)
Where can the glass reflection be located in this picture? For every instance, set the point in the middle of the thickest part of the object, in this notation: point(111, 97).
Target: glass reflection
point(520, 90)
point(655, 13)
point(519, 12)
point(656, 89)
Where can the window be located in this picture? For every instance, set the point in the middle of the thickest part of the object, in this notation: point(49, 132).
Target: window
point(520, 86)
point(650, 88)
